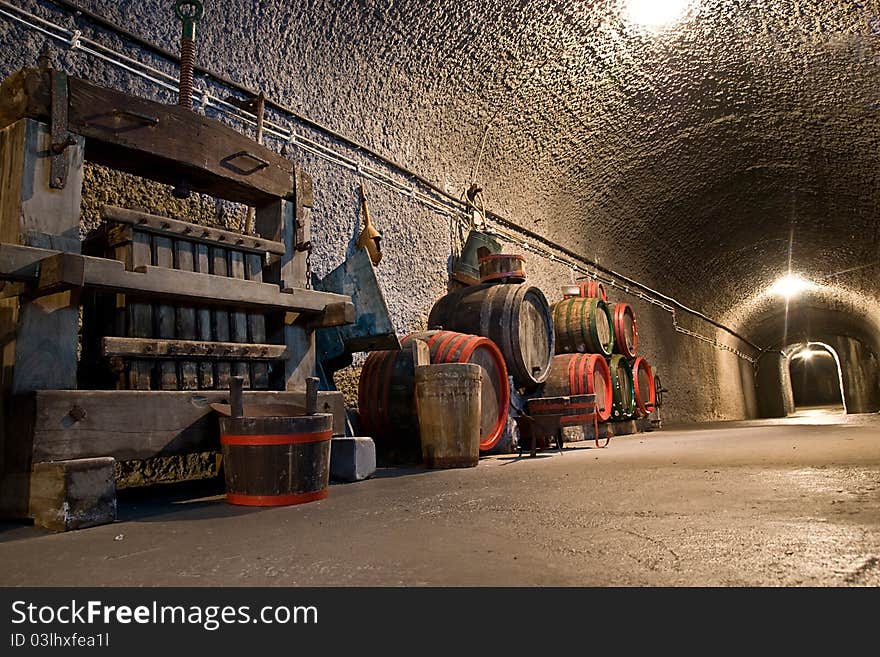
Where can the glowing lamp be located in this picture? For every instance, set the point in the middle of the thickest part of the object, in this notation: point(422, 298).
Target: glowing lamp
point(656, 13)
point(790, 286)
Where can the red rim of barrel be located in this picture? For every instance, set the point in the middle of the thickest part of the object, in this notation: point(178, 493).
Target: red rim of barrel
point(582, 369)
point(644, 406)
point(589, 290)
point(621, 310)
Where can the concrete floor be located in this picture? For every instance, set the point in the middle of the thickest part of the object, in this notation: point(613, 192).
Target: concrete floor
point(767, 503)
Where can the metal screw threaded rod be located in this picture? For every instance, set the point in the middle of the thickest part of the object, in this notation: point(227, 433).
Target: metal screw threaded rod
point(187, 61)
point(189, 12)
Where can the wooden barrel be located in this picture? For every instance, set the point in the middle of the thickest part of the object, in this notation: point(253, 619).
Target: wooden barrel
point(502, 268)
point(386, 390)
point(583, 325)
point(275, 461)
point(623, 404)
point(590, 289)
point(581, 374)
point(626, 331)
point(644, 386)
point(515, 317)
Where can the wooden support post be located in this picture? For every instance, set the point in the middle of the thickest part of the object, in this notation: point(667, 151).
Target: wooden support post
point(238, 319)
point(219, 267)
point(38, 348)
point(203, 317)
point(42, 333)
point(186, 316)
point(289, 221)
point(139, 315)
point(165, 316)
point(257, 325)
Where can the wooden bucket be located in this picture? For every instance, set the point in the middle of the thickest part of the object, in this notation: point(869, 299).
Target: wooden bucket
point(386, 390)
point(448, 402)
point(502, 268)
point(276, 461)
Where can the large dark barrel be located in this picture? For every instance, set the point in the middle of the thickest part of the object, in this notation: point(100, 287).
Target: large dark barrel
point(624, 400)
point(386, 390)
point(626, 332)
point(274, 461)
point(515, 317)
point(583, 325)
point(593, 289)
point(580, 374)
point(644, 387)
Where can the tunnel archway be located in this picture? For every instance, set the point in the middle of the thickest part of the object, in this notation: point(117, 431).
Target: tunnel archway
point(815, 375)
point(838, 319)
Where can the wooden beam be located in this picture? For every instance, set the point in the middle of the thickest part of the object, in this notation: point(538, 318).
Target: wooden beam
point(59, 272)
point(192, 232)
point(131, 424)
point(335, 314)
point(153, 140)
point(21, 263)
point(180, 349)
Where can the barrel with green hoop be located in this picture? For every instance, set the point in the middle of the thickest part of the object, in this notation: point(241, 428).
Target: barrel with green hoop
point(583, 325)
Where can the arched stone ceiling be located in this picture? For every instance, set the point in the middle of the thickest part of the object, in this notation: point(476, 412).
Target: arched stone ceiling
point(695, 158)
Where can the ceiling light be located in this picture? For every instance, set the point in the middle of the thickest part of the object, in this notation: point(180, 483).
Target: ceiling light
point(656, 13)
point(790, 285)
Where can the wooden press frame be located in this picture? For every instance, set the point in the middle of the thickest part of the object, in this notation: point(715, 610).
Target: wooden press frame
point(50, 124)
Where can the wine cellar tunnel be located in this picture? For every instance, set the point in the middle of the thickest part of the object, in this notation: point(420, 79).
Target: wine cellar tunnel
point(713, 164)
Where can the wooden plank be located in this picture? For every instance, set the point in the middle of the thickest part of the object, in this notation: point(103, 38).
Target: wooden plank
point(186, 316)
point(160, 142)
point(163, 256)
point(139, 315)
point(201, 234)
point(256, 324)
point(220, 267)
point(203, 320)
point(128, 424)
point(155, 348)
point(20, 263)
point(237, 319)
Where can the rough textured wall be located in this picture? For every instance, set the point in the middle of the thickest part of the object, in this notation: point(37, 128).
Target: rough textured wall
point(695, 159)
point(860, 374)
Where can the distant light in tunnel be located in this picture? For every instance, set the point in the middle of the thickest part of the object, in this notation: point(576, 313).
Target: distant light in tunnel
point(656, 13)
point(805, 354)
point(790, 285)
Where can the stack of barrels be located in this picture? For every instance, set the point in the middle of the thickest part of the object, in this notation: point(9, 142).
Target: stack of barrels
point(596, 353)
point(502, 324)
point(583, 345)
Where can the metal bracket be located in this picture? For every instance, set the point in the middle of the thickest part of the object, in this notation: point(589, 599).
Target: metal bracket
point(61, 138)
